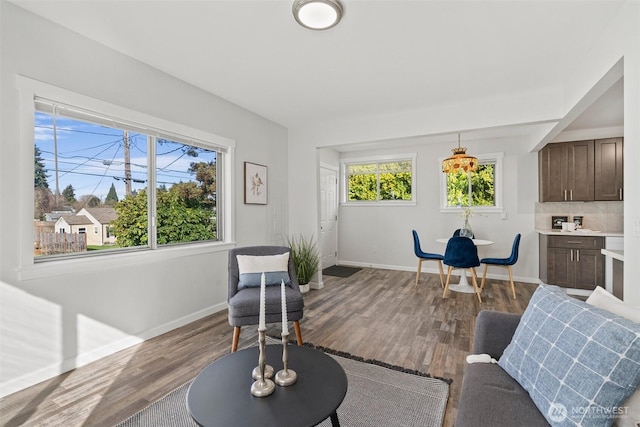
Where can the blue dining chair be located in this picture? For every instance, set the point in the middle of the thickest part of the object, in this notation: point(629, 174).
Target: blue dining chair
point(426, 256)
point(461, 253)
point(504, 263)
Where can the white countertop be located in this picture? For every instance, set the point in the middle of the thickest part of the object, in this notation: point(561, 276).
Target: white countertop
point(581, 233)
point(613, 253)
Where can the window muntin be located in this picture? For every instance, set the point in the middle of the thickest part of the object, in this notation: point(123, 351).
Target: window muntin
point(106, 165)
point(379, 181)
point(480, 189)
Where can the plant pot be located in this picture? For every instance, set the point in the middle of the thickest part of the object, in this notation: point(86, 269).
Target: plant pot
point(304, 288)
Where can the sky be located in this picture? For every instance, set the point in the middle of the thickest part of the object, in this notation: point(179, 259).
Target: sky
point(91, 157)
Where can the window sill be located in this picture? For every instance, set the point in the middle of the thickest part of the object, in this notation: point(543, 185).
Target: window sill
point(476, 210)
point(380, 204)
point(94, 264)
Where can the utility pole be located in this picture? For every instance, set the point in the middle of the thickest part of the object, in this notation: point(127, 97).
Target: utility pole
point(55, 156)
point(127, 164)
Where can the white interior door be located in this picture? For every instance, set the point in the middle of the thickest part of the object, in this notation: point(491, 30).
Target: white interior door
point(328, 216)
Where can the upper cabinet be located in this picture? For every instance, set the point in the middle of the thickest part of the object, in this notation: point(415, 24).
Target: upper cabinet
point(566, 171)
point(581, 171)
point(608, 169)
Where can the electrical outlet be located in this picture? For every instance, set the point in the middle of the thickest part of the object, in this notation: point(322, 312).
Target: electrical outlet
point(636, 226)
point(503, 215)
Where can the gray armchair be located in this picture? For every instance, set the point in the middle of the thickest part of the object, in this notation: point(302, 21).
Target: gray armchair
point(244, 304)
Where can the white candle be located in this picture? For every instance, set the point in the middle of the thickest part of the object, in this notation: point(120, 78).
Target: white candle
point(285, 326)
point(262, 326)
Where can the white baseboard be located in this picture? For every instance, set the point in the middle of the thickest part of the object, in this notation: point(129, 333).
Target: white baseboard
point(434, 270)
point(68, 364)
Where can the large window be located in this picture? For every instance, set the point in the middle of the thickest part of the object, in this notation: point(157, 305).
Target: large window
point(379, 180)
point(480, 189)
point(135, 187)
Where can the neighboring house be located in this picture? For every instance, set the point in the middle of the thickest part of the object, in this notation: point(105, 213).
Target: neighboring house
point(94, 222)
point(54, 215)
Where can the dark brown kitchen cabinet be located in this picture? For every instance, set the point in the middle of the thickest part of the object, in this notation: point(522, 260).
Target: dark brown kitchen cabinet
point(572, 261)
point(566, 171)
point(609, 169)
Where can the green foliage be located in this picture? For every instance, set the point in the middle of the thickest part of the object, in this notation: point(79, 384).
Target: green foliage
point(93, 202)
point(363, 187)
point(482, 184)
point(112, 196)
point(69, 194)
point(205, 174)
point(177, 221)
point(395, 186)
point(130, 227)
point(40, 176)
point(392, 178)
point(305, 258)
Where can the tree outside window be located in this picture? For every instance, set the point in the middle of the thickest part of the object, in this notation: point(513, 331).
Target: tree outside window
point(380, 181)
point(472, 189)
point(106, 172)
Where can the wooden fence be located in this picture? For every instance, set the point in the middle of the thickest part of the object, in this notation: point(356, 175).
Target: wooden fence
point(49, 243)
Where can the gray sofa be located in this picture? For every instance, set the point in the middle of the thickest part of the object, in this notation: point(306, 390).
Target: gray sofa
point(489, 396)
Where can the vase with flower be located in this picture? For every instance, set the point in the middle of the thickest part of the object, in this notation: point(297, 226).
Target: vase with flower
point(466, 230)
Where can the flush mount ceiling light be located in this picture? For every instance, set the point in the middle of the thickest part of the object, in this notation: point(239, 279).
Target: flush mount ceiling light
point(317, 14)
point(460, 161)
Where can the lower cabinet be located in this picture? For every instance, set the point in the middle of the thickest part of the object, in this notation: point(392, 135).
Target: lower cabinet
point(572, 261)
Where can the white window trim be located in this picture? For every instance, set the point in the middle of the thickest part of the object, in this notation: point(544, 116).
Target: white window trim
point(498, 208)
point(29, 89)
point(344, 187)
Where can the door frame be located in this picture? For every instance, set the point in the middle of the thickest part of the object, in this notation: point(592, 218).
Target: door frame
point(336, 169)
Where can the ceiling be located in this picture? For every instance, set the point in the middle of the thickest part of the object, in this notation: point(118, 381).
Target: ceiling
point(383, 57)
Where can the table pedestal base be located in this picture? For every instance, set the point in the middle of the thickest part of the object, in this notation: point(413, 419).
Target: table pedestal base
point(464, 285)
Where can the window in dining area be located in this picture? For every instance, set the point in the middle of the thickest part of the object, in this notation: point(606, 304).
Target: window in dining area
point(388, 180)
point(481, 189)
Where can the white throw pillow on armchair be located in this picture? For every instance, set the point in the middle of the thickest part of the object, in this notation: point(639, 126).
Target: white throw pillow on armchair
point(602, 299)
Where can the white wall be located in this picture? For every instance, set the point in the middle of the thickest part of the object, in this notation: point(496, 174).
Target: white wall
point(620, 38)
point(381, 236)
point(55, 319)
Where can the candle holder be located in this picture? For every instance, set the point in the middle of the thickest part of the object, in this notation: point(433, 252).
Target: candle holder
point(262, 386)
point(285, 377)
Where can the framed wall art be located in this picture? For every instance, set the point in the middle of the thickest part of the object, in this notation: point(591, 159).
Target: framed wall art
point(255, 184)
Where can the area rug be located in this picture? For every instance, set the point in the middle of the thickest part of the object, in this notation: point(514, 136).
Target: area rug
point(340, 271)
point(377, 395)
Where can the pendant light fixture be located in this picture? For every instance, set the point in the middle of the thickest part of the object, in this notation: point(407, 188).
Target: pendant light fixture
point(460, 161)
point(317, 14)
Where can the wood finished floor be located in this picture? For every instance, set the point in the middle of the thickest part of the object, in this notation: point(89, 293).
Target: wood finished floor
point(377, 314)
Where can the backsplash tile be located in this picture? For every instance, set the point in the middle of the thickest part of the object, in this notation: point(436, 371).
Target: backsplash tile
point(600, 216)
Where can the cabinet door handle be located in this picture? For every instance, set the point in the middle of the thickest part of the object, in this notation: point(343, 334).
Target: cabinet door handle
point(570, 194)
point(565, 194)
point(578, 255)
point(571, 254)
point(620, 193)
point(574, 242)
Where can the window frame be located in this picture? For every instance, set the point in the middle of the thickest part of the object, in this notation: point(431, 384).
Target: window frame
point(344, 187)
point(498, 172)
point(31, 268)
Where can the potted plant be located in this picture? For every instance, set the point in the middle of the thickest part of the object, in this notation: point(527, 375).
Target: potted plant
point(305, 259)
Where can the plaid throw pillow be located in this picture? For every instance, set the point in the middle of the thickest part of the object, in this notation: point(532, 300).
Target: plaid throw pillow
point(578, 362)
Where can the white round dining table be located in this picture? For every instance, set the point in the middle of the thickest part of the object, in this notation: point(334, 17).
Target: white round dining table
point(464, 286)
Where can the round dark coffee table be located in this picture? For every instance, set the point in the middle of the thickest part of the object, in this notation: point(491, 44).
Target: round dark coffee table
point(220, 395)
